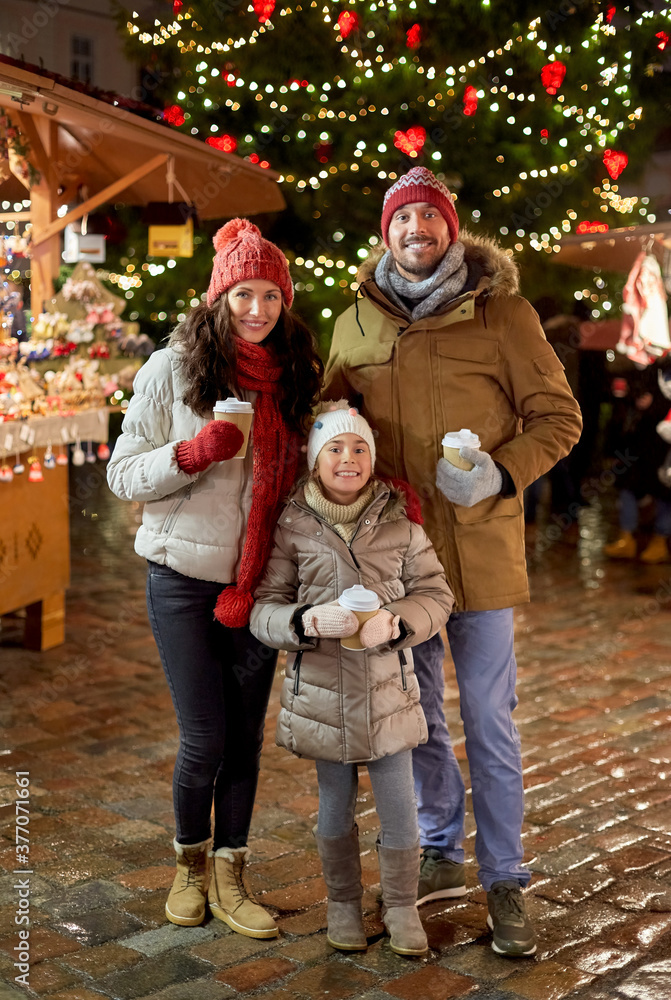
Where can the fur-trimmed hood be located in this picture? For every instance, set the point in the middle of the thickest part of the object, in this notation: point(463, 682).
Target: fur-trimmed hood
point(492, 270)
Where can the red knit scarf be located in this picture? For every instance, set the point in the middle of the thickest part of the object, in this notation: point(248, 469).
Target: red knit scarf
point(276, 451)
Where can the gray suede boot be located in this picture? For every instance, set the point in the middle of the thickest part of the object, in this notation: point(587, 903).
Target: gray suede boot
point(399, 875)
point(341, 865)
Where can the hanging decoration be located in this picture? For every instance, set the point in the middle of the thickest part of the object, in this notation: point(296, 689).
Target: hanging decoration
point(663, 40)
point(552, 76)
point(610, 13)
point(470, 100)
point(264, 10)
point(173, 115)
point(414, 37)
point(411, 141)
point(15, 146)
point(348, 21)
point(177, 7)
point(615, 162)
point(323, 151)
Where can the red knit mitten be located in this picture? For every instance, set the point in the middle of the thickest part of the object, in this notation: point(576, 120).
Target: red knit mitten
point(216, 442)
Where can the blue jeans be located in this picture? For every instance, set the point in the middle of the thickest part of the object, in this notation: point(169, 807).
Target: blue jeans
point(481, 643)
point(220, 680)
point(629, 514)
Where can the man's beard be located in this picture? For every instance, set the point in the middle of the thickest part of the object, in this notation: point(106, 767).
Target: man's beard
point(418, 268)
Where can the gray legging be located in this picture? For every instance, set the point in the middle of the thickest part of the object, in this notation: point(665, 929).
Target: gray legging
point(394, 791)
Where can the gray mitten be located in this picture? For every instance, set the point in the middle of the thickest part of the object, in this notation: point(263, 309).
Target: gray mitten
point(468, 488)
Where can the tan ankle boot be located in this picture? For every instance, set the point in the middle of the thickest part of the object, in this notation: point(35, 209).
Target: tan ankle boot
point(341, 865)
point(186, 902)
point(399, 876)
point(623, 547)
point(229, 898)
point(656, 551)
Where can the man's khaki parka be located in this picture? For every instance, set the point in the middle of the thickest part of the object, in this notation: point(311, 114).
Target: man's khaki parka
point(483, 364)
point(339, 704)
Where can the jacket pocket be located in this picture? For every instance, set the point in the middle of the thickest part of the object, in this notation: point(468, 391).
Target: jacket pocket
point(474, 350)
point(297, 670)
point(403, 663)
point(175, 510)
point(487, 509)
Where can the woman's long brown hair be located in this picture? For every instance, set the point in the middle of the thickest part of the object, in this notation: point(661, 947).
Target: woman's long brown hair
point(208, 342)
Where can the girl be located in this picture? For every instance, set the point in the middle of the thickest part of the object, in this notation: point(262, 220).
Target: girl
point(208, 521)
point(343, 707)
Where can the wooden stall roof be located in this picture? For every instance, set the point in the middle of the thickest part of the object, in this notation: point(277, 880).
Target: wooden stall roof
point(616, 249)
point(100, 145)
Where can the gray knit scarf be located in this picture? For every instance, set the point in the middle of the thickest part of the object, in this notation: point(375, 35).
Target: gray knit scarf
point(431, 295)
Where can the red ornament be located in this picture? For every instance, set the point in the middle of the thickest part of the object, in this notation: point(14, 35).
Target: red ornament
point(610, 13)
point(323, 151)
point(545, 134)
point(177, 6)
point(227, 143)
point(264, 9)
point(230, 79)
point(348, 22)
point(412, 141)
point(615, 162)
point(552, 76)
point(470, 100)
point(414, 37)
point(663, 40)
point(173, 115)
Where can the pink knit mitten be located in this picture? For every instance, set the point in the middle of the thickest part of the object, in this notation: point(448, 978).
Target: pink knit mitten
point(382, 627)
point(216, 442)
point(329, 621)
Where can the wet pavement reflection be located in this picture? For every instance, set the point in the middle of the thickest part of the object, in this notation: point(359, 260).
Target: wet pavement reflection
point(91, 725)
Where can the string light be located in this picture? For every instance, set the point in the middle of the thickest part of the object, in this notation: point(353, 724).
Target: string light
point(435, 93)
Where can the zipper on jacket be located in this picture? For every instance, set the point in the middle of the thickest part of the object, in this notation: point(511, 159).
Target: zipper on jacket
point(402, 660)
point(309, 510)
point(297, 669)
point(172, 517)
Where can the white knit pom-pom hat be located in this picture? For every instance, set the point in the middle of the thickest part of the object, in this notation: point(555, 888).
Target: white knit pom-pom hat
point(335, 419)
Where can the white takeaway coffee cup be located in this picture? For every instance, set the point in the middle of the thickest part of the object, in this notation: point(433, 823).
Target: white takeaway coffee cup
point(365, 604)
point(238, 412)
point(453, 441)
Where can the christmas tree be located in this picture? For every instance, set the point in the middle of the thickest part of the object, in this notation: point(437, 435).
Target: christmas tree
point(530, 115)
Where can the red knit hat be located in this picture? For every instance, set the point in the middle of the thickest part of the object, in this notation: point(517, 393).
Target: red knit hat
point(242, 255)
point(419, 184)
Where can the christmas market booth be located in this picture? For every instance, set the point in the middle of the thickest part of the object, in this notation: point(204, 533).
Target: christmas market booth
point(625, 250)
point(63, 153)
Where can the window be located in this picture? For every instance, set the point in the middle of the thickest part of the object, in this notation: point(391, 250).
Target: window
point(81, 61)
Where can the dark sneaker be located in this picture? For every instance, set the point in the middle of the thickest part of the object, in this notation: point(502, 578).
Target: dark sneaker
point(513, 933)
point(439, 878)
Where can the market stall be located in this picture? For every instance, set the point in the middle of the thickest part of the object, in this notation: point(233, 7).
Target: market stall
point(63, 153)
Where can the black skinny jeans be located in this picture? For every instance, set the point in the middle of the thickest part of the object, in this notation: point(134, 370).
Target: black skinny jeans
point(220, 680)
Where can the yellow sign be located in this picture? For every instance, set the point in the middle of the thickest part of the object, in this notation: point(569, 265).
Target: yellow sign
point(171, 241)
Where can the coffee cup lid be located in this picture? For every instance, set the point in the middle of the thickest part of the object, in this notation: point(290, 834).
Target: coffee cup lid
point(232, 405)
point(358, 598)
point(461, 439)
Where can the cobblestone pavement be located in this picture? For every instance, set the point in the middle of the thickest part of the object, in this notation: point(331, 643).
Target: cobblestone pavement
point(92, 725)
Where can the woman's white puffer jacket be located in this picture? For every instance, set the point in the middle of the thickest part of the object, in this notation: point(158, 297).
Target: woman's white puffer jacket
point(194, 524)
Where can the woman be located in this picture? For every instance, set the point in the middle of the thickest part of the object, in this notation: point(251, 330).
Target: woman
point(208, 520)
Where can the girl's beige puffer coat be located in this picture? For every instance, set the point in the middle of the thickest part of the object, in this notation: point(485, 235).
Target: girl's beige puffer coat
point(338, 704)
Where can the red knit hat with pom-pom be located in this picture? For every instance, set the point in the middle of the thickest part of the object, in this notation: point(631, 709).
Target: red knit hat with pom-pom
point(242, 255)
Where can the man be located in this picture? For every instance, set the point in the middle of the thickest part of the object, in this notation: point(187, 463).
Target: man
point(437, 340)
